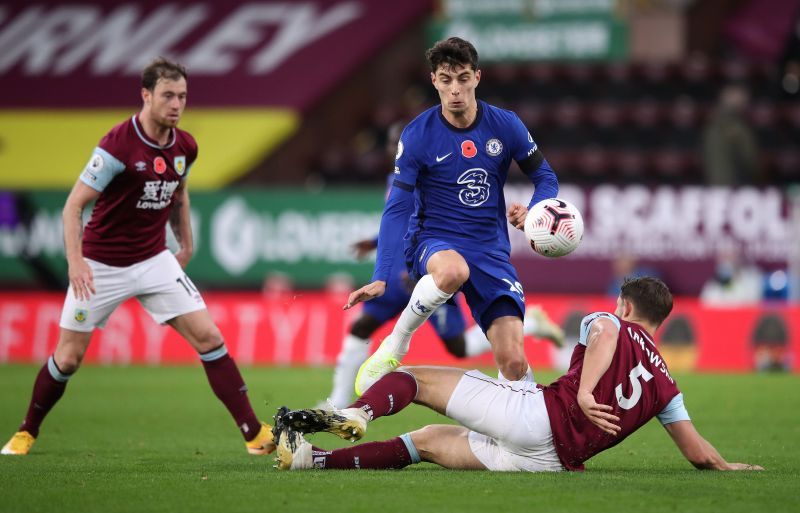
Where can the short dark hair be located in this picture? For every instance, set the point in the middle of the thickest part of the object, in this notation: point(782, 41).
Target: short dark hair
point(161, 68)
point(451, 53)
point(650, 296)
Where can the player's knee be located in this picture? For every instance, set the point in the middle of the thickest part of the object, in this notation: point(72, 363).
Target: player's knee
point(209, 339)
point(425, 442)
point(452, 277)
point(364, 327)
point(514, 367)
point(68, 361)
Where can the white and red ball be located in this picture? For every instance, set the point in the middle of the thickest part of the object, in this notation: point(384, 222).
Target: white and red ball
point(554, 227)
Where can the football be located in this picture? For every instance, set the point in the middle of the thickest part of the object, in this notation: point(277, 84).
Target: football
point(554, 227)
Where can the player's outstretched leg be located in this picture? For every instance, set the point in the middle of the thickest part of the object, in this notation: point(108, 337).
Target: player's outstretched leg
point(425, 298)
point(538, 324)
point(388, 396)
point(445, 445)
point(296, 453)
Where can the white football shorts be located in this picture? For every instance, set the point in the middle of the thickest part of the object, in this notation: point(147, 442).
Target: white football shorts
point(159, 283)
point(510, 429)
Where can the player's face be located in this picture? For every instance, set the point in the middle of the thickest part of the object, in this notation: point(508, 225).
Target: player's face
point(456, 87)
point(167, 101)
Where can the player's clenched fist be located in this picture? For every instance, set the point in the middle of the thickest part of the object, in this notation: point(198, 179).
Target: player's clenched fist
point(516, 214)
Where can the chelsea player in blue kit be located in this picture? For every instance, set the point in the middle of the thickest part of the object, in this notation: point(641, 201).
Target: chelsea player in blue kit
point(452, 162)
point(447, 321)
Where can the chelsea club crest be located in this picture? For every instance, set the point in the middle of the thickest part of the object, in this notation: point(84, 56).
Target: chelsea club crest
point(494, 147)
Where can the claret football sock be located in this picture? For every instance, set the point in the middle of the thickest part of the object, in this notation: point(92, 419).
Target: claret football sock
point(228, 385)
point(47, 390)
point(389, 454)
point(388, 395)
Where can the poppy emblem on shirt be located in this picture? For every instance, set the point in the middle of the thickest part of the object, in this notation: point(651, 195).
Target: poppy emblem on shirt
point(180, 164)
point(468, 149)
point(160, 165)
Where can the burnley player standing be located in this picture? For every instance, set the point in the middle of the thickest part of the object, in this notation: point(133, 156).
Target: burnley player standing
point(452, 162)
point(617, 382)
point(137, 177)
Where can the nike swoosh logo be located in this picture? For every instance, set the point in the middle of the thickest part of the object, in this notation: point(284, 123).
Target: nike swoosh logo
point(439, 159)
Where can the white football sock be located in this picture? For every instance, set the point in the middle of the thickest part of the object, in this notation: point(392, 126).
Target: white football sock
point(475, 342)
point(425, 298)
point(353, 353)
point(527, 377)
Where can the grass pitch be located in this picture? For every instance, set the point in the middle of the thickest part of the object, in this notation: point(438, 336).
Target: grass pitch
point(142, 439)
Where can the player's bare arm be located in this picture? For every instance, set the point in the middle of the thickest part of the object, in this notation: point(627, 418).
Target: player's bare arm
point(600, 347)
point(80, 274)
point(181, 224)
point(516, 214)
point(699, 451)
point(365, 293)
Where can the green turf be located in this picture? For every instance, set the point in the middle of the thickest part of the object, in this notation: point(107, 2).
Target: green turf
point(155, 439)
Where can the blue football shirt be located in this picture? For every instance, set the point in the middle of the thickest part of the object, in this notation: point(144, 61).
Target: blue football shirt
point(450, 182)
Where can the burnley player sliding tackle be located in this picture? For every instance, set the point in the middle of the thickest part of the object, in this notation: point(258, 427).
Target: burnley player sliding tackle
point(617, 382)
point(137, 175)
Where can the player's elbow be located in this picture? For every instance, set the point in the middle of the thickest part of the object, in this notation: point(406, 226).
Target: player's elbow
point(71, 209)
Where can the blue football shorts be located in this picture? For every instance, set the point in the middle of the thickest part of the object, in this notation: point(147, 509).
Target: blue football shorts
point(491, 278)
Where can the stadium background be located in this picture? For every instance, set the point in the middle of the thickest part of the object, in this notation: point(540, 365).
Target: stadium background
point(291, 104)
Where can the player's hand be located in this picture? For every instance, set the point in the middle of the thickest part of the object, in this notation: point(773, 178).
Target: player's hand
point(183, 256)
point(363, 247)
point(516, 214)
point(599, 414)
point(744, 466)
point(365, 293)
point(82, 279)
